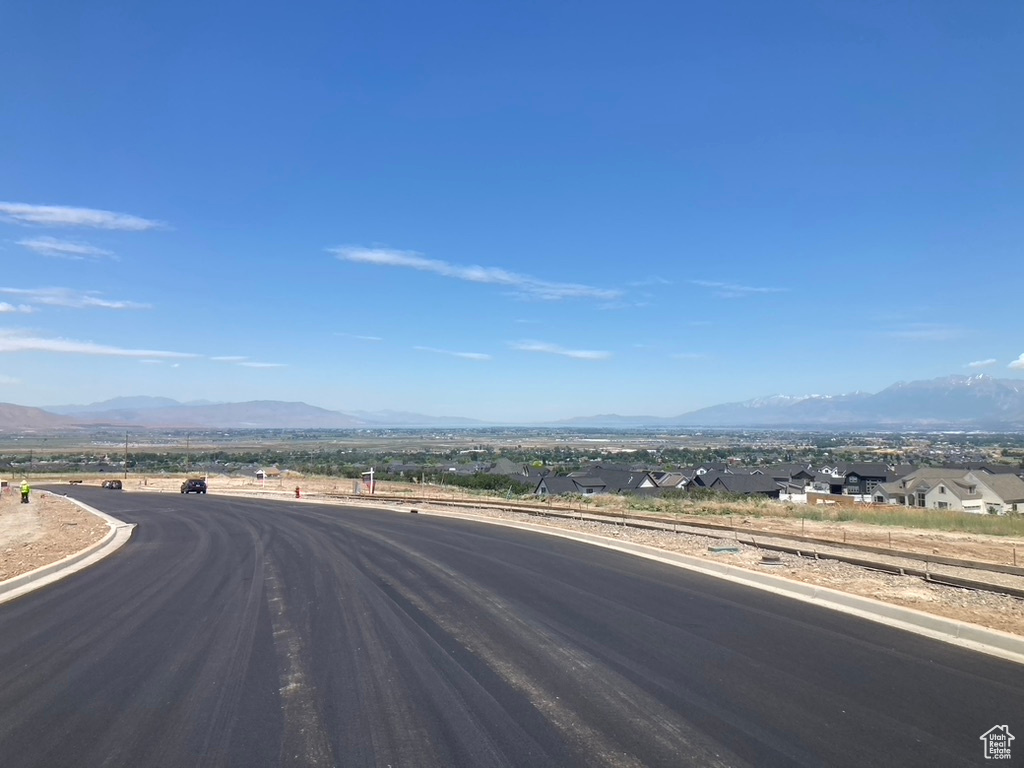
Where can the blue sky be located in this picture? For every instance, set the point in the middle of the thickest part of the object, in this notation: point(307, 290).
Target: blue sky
point(508, 211)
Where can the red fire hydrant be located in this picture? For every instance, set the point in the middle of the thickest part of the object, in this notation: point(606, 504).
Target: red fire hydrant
point(298, 493)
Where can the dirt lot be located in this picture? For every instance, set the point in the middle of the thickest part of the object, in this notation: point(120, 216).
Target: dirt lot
point(43, 531)
point(985, 609)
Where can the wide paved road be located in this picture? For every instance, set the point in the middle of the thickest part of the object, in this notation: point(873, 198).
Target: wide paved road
point(249, 633)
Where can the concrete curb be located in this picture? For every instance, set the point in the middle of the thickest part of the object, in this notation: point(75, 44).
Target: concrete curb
point(990, 641)
point(117, 536)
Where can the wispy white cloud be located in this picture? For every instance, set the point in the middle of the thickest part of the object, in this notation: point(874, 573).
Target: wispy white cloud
point(1018, 363)
point(10, 309)
point(464, 355)
point(64, 249)
point(649, 281)
point(5, 379)
point(65, 297)
point(554, 349)
point(64, 216)
point(735, 291)
point(147, 361)
point(525, 285)
point(20, 341)
point(244, 361)
point(359, 337)
point(983, 363)
point(612, 306)
point(926, 332)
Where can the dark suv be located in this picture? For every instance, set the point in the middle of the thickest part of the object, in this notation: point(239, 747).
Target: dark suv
point(194, 486)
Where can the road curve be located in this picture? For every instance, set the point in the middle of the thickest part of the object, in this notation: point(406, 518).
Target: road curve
point(238, 632)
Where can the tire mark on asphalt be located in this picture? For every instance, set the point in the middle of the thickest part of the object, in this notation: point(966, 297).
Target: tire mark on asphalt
point(304, 741)
point(392, 694)
point(576, 693)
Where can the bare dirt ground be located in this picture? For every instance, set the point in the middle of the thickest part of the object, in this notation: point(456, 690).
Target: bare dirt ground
point(1003, 550)
point(43, 531)
point(984, 609)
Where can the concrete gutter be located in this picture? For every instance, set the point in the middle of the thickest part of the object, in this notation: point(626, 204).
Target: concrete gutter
point(117, 536)
point(990, 641)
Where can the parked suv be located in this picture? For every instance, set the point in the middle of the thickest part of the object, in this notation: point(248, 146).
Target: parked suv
point(195, 485)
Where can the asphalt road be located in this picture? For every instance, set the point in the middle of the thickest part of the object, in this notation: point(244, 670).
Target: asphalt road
point(238, 632)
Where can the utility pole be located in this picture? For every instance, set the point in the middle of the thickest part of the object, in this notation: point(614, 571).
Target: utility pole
point(125, 455)
point(188, 435)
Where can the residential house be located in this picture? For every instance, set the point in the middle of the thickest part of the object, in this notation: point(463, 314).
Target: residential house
point(509, 468)
point(959, 490)
point(735, 482)
point(595, 481)
point(748, 485)
point(617, 480)
point(670, 479)
point(853, 479)
point(553, 485)
point(791, 474)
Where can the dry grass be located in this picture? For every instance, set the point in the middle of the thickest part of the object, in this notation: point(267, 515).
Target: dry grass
point(866, 514)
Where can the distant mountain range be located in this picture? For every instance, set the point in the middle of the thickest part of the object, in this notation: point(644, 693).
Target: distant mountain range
point(142, 402)
point(953, 402)
point(163, 412)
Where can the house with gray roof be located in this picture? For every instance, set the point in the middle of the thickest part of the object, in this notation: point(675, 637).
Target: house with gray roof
point(853, 478)
point(617, 480)
point(730, 482)
point(792, 471)
point(670, 479)
point(747, 485)
point(596, 481)
point(552, 485)
point(959, 490)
